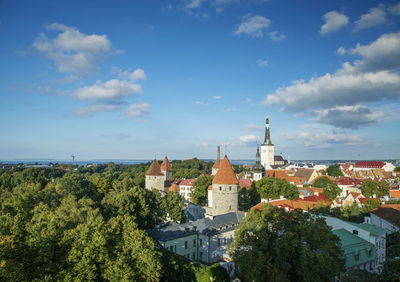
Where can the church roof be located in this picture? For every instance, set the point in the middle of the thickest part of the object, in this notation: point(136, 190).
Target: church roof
point(225, 174)
point(166, 166)
point(154, 169)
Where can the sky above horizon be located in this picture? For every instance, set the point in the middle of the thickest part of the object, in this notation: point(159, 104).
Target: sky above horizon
point(145, 79)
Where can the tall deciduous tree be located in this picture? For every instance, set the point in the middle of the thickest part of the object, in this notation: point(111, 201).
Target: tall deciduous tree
point(331, 191)
point(273, 188)
point(380, 189)
point(274, 245)
point(334, 170)
point(248, 197)
point(199, 194)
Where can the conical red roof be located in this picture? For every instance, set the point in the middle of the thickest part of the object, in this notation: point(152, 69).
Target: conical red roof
point(225, 174)
point(154, 169)
point(166, 166)
point(217, 162)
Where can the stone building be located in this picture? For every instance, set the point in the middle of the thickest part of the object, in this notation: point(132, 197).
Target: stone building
point(216, 164)
point(155, 179)
point(224, 190)
point(166, 169)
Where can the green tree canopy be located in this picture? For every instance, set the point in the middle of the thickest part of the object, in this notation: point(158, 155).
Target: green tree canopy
point(273, 188)
point(370, 187)
point(334, 170)
point(199, 193)
point(322, 182)
point(331, 191)
point(273, 245)
point(248, 197)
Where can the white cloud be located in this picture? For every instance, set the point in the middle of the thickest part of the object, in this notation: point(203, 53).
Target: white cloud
point(275, 36)
point(109, 90)
point(253, 127)
point(203, 144)
point(217, 97)
point(341, 50)
point(323, 140)
point(253, 26)
point(333, 22)
point(201, 103)
point(395, 10)
point(128, 74)
point(375, 16)
point(71, 50)
point(348, 116)
point(193, 4)
point(97, 108)
point(230, 110)
point(262, 63)
point(250, 139)
point(137, 110)
point(368, 80)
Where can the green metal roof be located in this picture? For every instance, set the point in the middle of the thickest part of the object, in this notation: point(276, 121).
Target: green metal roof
point(373, 229)
point(356, 250)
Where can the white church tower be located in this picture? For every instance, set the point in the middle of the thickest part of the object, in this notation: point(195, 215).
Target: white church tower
point(267, 149)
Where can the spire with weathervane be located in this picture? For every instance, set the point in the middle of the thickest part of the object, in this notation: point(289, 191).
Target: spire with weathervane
point(267, 140)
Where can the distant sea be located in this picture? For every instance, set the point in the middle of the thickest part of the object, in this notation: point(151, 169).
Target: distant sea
point(129, 162)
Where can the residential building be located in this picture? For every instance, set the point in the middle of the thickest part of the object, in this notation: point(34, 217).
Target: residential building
point(306, 175)
point(387, 217)
point(205, 239)
point(185, 188)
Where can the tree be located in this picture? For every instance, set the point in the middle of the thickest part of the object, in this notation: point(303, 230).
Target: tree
point(331, 191)
point(369, 205)
point(383, 188)
point(173, 205)
point(334, 170)
point(370, 188)
point(199, 194)
point(273, 245)
point(248, 197)
point(214, 272)
point(397, 169)
point(273, 188)
point(79, 186)
point(322, 182)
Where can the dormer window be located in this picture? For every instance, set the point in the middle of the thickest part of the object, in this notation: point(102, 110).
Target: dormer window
point(355, 232)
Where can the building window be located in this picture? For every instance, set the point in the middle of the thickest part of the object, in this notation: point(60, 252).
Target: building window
point(186, 244)
point(229, 207)
point(219, 242)
point(201, 243)
point(171, 248)
point(355, 232)
point(194, 242)
point(193, 255)
point(201, 255)
point(220, 188)
point(230, 188)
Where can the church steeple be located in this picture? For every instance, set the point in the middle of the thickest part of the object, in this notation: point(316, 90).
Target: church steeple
point(267, 140)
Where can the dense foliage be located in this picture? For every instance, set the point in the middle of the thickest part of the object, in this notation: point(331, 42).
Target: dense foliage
point(334, 170)
point(199, 194)
point(273, 188)
point(370, 188)
point(82, 223)
point(274, 245)
point(248, 197)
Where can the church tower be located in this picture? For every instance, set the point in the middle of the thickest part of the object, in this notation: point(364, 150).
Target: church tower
point(258, 169)
point(267, 149)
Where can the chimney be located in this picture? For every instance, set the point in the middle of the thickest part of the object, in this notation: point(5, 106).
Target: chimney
point(218, 155)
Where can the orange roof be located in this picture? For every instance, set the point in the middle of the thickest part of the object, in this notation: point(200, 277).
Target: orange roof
point(154, 169)
point(291, 204)
point(174, 187)
point(210, 187)
point(166, 166)
point(243, 182)
point(225, 174)
point(355, 194)
point(395, 193)
point(282, 174)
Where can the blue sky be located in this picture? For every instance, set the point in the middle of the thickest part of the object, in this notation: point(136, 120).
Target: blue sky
point(138, 79)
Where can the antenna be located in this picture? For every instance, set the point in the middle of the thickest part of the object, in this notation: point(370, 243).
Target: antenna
point(73, 158)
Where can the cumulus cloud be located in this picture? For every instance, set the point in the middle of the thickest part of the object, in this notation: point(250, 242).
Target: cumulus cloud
point(323, 140)
point(250, 139)
point(217, 97)
point(109, 90)
point(370, 79)
point(137, 110)
point(97, 108)
point(128, 74)
point(333, 22)
point(375, 16)
point(262, 63)
point(71, 50)
point(275, 36)
point(253, 25)
point(348, 116)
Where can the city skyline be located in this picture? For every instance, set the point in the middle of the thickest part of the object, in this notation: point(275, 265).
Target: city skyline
point(134, 80)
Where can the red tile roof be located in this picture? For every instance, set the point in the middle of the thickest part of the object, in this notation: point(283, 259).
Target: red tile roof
point(304, 204)
point(369, 164)
point(225, 174)
point(174, 188)
point(362, 200)
point(166, 166)
point(349, 181)
point(395, 193)
point(243, 182)
point(346, 165)
point(187, 182)
point(154, 169)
